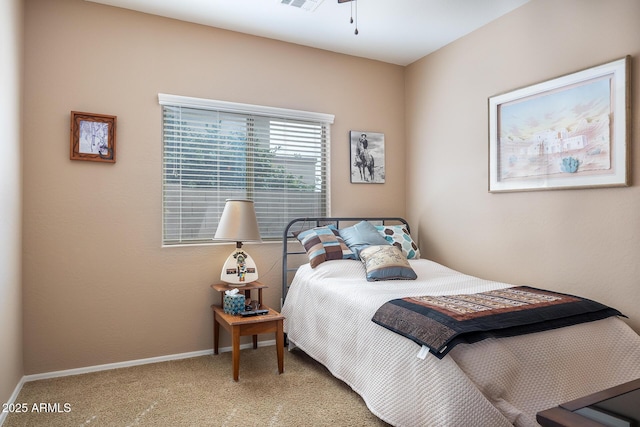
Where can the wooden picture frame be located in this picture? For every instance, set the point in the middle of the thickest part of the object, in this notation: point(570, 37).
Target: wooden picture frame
point(93, 137)
point(565, 133)
point(367, 157)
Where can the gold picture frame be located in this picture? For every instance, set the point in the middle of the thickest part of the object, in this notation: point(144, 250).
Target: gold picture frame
point(93, 137)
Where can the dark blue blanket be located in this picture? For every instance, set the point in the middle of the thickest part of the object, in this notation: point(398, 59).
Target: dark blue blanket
point(442, 322)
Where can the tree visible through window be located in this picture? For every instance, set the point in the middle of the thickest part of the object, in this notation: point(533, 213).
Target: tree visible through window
point(210, 155)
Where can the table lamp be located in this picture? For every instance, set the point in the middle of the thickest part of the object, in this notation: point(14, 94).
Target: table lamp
point(238, 224)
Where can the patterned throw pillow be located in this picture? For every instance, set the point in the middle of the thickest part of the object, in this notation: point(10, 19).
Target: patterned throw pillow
point(398, 236)
point(324, 244)
point(386, 263)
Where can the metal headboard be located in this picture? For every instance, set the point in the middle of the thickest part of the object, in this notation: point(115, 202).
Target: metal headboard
point(301, 224)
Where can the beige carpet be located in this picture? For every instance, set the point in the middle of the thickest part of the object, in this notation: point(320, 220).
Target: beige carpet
point(199, 392)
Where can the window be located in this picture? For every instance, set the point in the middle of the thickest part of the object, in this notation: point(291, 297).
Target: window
point(213, 151)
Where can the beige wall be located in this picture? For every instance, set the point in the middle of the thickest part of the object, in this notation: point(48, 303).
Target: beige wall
point(10, 198)
point(578, 241)
point(98, 288)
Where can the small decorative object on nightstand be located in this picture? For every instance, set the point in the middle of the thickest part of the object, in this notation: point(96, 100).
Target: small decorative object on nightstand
point(238, 224)
point(239, 326)
point(233, 302)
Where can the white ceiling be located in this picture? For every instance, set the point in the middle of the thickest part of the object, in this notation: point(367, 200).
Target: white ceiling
point(395, 31)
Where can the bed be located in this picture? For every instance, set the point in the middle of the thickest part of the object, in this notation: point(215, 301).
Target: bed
point(493, 382)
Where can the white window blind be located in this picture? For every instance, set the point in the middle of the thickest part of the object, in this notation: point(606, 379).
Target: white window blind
point(213, 151)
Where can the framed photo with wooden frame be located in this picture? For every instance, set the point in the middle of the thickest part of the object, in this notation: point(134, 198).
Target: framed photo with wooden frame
point(93, 137)
point(569, 132)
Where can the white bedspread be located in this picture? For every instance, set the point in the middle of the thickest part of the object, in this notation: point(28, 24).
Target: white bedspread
point(496, 382)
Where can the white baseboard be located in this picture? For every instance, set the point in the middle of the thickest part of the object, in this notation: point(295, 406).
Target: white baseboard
point(126, 364)
point(136, 362)
point(12, 399)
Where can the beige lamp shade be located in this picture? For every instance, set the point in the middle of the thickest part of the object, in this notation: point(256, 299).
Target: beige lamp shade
point(238, 222)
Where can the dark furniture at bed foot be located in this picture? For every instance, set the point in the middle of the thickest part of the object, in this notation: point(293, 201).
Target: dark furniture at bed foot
point(616, 406)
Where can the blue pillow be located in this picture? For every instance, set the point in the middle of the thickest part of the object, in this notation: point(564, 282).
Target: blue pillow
point(361, 235)
point(386, 263)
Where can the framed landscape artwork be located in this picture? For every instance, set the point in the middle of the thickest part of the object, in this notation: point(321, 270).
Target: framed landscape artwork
point(569, 132)
point(367, 157)
point(93, 137)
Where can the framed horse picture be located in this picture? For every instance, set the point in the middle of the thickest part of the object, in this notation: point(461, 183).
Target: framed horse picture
point(367, 157)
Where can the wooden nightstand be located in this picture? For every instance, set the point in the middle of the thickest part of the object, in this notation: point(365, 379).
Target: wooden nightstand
point(239, 326)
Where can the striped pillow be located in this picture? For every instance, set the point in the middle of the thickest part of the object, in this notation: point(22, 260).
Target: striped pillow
point(324, 244)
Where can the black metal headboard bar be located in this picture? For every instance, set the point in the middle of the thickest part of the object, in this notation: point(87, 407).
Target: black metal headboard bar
point(301, 224)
